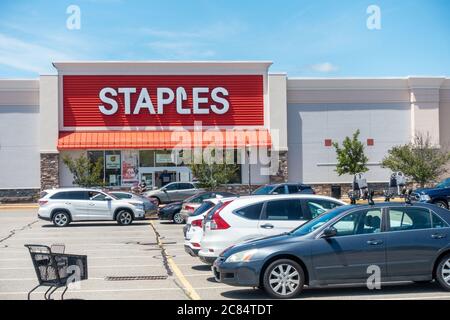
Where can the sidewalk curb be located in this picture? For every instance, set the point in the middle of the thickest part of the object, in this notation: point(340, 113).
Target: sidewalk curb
point(18, 206)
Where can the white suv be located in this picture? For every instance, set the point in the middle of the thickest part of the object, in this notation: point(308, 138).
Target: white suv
point(248, 218)
point(63, 206)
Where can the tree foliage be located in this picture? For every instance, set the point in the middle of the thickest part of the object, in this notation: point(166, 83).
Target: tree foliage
point(420, 160)
point(85, 173)
point(212, 171)
point(350, 157)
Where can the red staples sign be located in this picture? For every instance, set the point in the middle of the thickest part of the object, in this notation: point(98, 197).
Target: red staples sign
point(153, 101)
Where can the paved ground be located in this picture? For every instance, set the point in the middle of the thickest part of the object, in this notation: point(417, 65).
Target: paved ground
point(137, 251)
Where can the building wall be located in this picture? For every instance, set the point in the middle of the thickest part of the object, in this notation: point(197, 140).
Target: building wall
point(19, 134)
point(320, 109)
point(310, 161)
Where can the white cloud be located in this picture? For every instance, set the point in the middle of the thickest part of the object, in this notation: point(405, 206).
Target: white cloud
point(325, 67)
point(190, 44)
point(22, 55)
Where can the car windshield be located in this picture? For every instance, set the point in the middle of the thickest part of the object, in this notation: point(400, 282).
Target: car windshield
point(264, 190)
point(318, 222)
point(443, 184)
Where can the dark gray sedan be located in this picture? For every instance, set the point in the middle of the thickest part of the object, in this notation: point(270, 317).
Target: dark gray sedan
point(350, 244)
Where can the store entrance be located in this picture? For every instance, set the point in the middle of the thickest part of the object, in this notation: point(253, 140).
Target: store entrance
point(165, 177)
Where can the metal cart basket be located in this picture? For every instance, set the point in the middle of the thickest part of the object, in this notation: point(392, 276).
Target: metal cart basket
point(55, 269)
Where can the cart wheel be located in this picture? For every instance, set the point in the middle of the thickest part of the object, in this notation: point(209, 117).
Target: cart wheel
point(124, 218)
point(61, 219)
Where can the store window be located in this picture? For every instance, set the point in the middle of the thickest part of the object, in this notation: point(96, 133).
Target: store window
point(130, 167)
point(112, 168)
point(147, 158)
point(164, 159)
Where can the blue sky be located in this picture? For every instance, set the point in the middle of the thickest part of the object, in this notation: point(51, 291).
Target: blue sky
point(310, 38)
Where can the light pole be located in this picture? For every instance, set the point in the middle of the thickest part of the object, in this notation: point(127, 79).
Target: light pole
point(249, 170)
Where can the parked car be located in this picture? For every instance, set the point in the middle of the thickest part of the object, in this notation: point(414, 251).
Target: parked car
point(171, 212)
point(407, 243)
point(63, 206)
point(192, 203)
point(149, 206)
point(283, 188)
point(253, 217)
point(439, 195)
point(193, 229)
point(175, 191)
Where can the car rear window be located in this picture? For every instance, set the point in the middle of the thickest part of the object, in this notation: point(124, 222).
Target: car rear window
point(252, 212)
point(184, 186)
point(70, 195)
point(213, 210)
point(205, 206)
point(43, 194)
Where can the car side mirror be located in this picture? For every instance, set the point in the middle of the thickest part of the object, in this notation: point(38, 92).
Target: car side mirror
point(329, 233)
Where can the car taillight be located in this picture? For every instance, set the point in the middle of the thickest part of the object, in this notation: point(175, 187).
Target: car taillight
point(42, 202)
point(196, 245)
point(189, 208)
point(217, 222)
point(197, 223)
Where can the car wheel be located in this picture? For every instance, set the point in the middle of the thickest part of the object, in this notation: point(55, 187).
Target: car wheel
point(441, 204)
point(443, 272)
point(61, 219)
point(284, 279)
point(124, 218)
point(178, 218)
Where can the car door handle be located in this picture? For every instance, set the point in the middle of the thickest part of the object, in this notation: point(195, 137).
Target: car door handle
point(68, 203)
point(92, 204)
point(374, 242)
point(438, 236)
point(267, 226)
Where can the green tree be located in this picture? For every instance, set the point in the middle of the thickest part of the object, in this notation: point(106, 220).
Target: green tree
point(212, 172)
point(419, 160)
point(85, 173)
point(350, 157)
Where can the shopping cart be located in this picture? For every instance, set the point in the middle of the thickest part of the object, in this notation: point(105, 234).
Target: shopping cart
point(55, 269)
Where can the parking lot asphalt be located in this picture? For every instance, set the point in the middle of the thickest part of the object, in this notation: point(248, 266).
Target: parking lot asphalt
point(147, 248)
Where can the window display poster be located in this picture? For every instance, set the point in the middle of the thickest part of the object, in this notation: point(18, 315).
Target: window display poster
point(130, 167)
point(112, 161)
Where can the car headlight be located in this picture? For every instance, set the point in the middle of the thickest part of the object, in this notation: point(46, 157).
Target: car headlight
point(425, 197)
point(243, 256)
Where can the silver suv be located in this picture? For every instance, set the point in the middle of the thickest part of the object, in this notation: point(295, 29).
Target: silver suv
point(63, 206)
point(175, 191)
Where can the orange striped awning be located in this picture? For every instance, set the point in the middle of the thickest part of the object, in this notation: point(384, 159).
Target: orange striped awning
point(108, 140)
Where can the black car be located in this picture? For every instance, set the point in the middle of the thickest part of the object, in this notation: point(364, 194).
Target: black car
point(404, 242)
point(171, 212)
point(439, 195)
point(283, 188)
